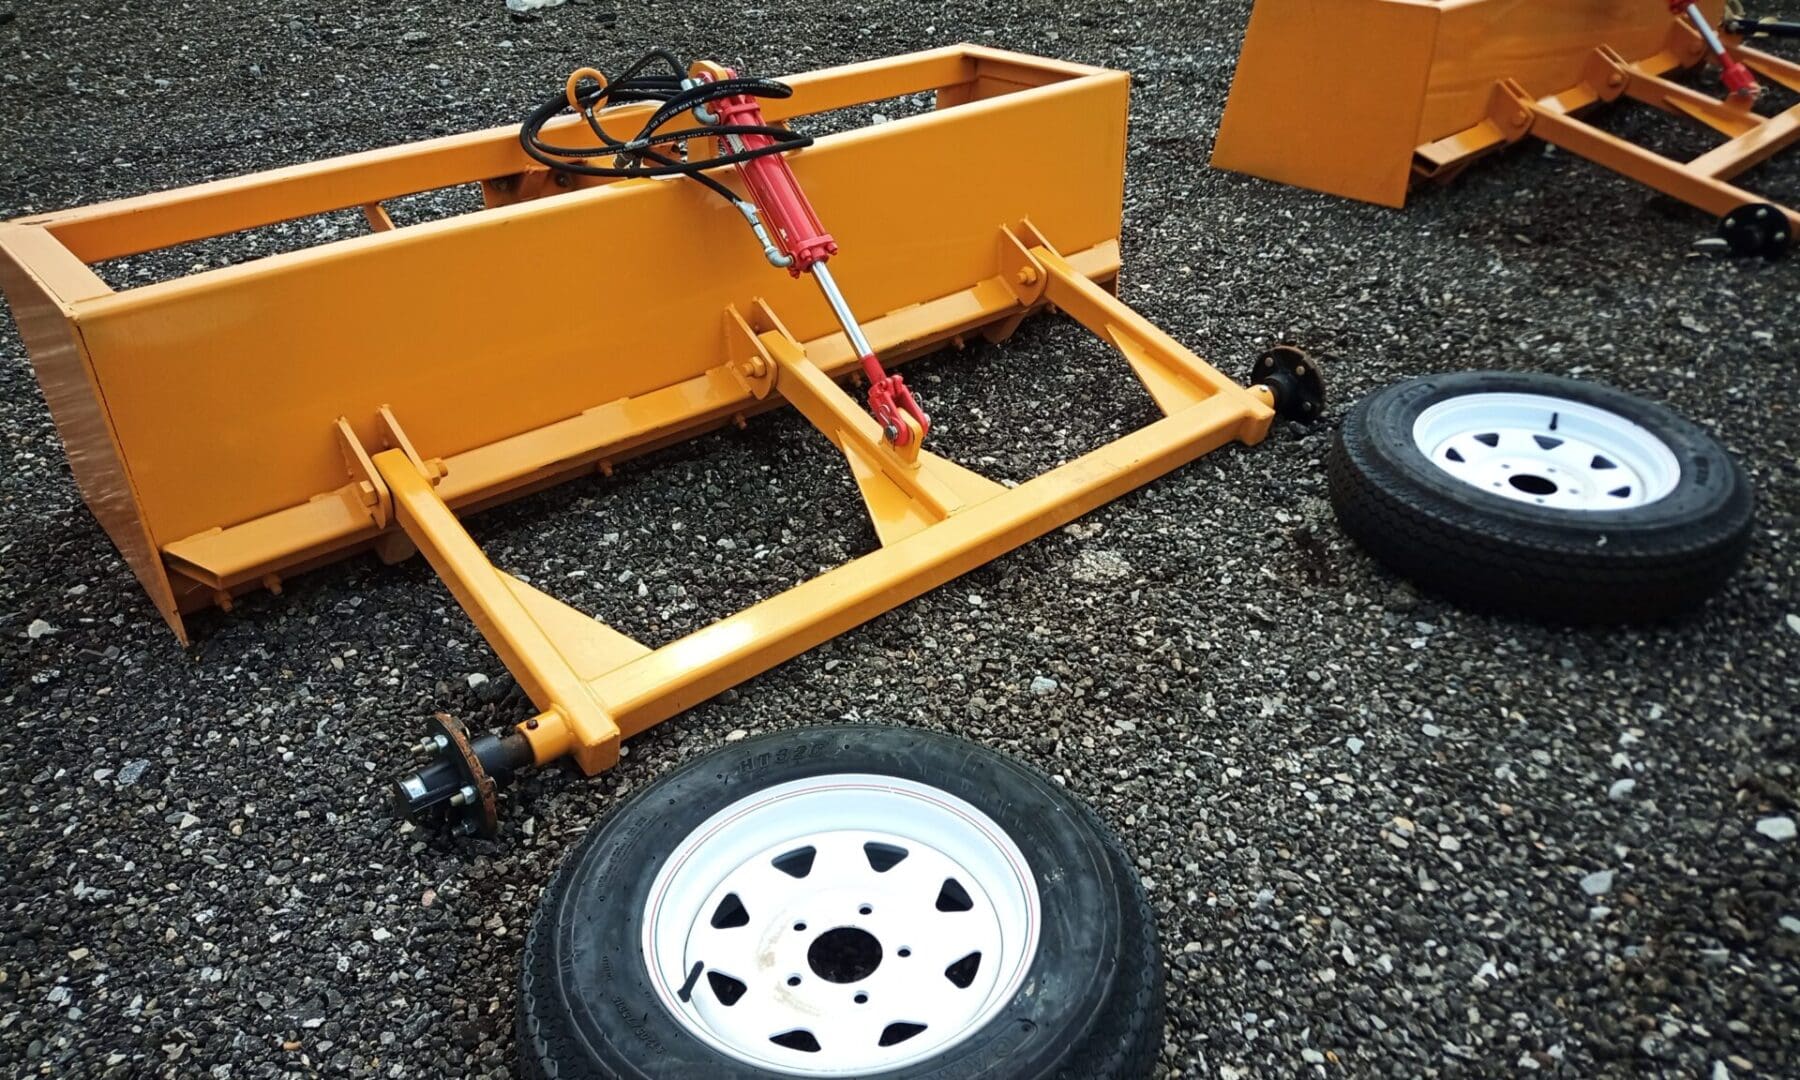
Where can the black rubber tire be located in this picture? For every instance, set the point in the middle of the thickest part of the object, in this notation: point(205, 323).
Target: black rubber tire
point(1497, 554)
point(1091, 1005)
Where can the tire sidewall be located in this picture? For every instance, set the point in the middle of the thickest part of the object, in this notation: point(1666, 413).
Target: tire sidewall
point(1383, 425)
point(606, 991)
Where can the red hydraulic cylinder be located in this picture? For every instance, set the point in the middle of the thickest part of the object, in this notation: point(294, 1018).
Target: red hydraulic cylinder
point(775, 191)
point(800, 237)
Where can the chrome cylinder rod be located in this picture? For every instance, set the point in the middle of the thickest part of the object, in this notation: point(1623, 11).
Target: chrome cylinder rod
point(845, 318)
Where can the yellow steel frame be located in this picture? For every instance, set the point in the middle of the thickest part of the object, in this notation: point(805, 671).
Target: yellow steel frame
point(242, 424)
point(936, 520)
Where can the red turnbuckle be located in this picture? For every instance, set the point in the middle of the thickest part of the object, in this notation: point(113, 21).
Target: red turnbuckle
point(1738, 80)
point(802, 245)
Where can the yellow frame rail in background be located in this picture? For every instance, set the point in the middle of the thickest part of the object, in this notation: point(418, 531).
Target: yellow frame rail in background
point(239, 425)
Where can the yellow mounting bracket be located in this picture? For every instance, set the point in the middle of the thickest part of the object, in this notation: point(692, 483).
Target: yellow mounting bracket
point(907, 489)
point(552, 649)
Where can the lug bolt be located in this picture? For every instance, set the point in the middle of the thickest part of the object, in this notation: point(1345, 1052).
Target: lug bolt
point(463, 797)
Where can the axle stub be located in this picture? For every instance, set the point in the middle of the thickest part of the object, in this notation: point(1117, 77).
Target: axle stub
point(457, 784)
point(1756, 229)
point(1296, 380)
point(1775, 28)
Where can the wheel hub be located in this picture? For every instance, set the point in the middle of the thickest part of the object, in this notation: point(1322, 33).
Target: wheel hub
point(841, 926)
point(1546, 451)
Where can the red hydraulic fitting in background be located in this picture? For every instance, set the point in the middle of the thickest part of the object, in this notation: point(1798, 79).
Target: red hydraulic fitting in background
point(777, 194)
point(1738, 80)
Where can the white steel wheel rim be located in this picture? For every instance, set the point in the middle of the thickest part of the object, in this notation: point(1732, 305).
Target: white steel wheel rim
point(1547, 451)
point(799, 946)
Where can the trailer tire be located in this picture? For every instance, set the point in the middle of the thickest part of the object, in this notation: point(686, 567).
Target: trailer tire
point(1064, 980)
point(1534, 495)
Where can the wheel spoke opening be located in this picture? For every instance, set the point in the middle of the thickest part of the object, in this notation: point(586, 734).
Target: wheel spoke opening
point(953, 897)
point(797, 863)
point(883, 857)
point(798, 1039)
point(730, 914)
point(727, 989)
point(899, 1033)
point(962, 973)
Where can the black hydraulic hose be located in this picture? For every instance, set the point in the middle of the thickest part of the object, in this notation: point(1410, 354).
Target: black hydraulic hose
point(642, 155)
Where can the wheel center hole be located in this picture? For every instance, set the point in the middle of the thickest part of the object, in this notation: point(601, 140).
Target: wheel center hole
point(1532, 485)
point(844, 955)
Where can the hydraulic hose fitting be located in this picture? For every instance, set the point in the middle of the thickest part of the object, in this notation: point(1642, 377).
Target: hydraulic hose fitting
point(771, 250)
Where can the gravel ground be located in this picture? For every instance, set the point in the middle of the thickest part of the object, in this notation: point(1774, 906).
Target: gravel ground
point(1382, 836)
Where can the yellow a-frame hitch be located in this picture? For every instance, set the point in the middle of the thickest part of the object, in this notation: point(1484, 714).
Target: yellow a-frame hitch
point(243, 424)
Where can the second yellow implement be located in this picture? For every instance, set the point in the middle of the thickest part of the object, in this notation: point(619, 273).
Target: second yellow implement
point(1364, 98)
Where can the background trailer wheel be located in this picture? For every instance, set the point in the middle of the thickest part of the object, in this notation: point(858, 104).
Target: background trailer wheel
point(1542, 496)
point(844, 901)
